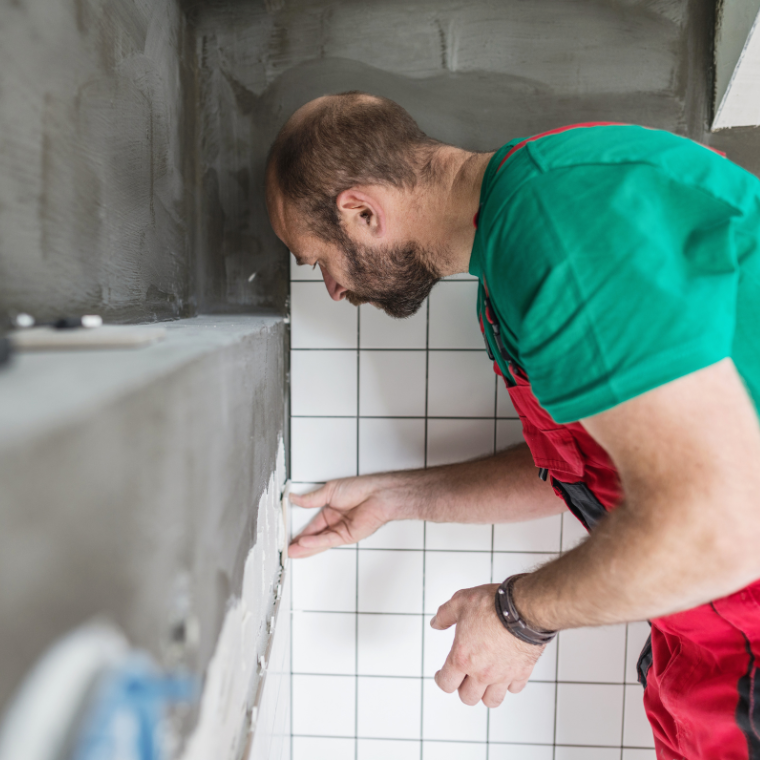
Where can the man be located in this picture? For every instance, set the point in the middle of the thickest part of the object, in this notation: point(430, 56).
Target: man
point(619, 298)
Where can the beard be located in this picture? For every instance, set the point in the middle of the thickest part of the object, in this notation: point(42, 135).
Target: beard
point(395, 279)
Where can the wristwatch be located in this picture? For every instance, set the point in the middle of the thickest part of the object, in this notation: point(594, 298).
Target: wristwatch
point(510, 617)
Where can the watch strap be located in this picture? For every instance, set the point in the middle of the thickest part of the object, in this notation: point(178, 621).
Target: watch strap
point(510, 617)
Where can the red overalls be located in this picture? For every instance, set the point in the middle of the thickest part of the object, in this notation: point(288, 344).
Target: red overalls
point(699, 668)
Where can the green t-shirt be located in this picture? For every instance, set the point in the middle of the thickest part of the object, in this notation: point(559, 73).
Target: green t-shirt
point(619, 258)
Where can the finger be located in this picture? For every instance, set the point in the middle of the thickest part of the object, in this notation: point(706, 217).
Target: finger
point(447, 615)
point(315, 499)
point(471, 691)
point(449, 677)
point(325, 540)
point(495, 694)
point(517, 686)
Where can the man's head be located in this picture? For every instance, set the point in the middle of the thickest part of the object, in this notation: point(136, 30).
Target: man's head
point(343, 181)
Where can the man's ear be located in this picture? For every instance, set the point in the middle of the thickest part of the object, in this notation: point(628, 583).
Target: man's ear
point(363, 212)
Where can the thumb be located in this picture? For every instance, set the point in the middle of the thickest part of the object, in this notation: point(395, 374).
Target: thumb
point(315, 499)
point(447, 615)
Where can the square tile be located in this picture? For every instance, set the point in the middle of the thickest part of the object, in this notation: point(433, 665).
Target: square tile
point(305, 272)
point(446, 717)
point(638, 633)
point(636, 732)
point(385, 749)
point(448, 572)
point(525, 717)
point(459, 440)
point(504, 405)
point(453, 316)
point(323, 383)
point(316, 321)
point(458, 536)
point(460, 384)
point(378, 330)
point(316, 748)
point(324, 705)
point(542, 535)
point(389, 708)
point(454, 751)
point(511, 563)
point(593, 655)
point(437, 647)
point(390, 444)
point(325, 582)
point(520, 752)
point(546, 667)
point(589, 714)
point(322, 448)
point(324, 643)
point(390, 645)
point(399, 534)
point(639, 754)
point(587, 753)
point(392, 383)
point(390, 581)
point(509, 433)
point(573, 532)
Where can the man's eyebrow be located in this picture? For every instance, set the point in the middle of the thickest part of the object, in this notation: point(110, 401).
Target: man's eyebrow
point(299, 261)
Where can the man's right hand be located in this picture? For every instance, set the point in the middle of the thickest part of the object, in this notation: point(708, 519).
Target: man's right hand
point(351, 509)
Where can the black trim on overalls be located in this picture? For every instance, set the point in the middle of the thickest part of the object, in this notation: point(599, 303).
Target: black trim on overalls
point(748, 707)
point(581, 502)
point(645, 661)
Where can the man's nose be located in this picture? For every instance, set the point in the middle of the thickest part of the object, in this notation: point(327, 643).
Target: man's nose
point(335, 289)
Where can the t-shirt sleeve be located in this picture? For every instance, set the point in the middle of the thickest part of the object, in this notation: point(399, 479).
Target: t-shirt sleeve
point(614, 280)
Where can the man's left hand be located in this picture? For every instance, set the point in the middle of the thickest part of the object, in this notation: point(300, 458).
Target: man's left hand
point(486, 660)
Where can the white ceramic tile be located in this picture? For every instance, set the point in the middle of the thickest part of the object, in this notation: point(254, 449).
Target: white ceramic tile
point(325, 582)
point(638, 633)
point(324, 642)
point(446, 717)
point(459, 440)
point(453, 316)
point(390, 645)
point(323, 705)
point(520, 752)
point(456, 536)
point(316, 748)
point(319, 322)
point(508, 433)
point(299, 518)
point(592, 654)
point(636, 732)
point(525, 717)
point(448, 572)
point(304, 272)
point(504, 405)
point(378, 330)
point(323, 383)
point(389, 707)
point(639, 754)
point(573, 532)
point(388, 749)
point(322, 448)
point(511, 563)
point(587, 753)
point(390, 444)
point(390, 581)
point(392, 383)
point(541, 535)
point(398, 534)
point(589, 714)
point(546, 667)
point(454, 751)
point(460, 384)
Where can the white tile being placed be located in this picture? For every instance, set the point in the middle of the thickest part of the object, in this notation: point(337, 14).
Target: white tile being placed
point(587, 753)
point(446, 717)
point(389, 708)
point(638, 633)
point(390, 444)
point(325, 582)
point(448, 572)
point(392, 383)
point(542, 535)
point(322, 448)
point(378, 330)
point(589, 714)
point(324, 643)
point(460, 384)
point(319, 322)
point(504, 405)
point(398, 534)
point(452, 441)
point(387, 749)
point(525, 717)
point(573, 532)
point(318, 748)
point(323, 705)
point(453, 316)
point(508, 433)
point(323, 383)
point(520, 752)
point(593, 655)
point(454, 751)
point(390, 581)
point(390, 645)
point(458, 536)
point(636, 730)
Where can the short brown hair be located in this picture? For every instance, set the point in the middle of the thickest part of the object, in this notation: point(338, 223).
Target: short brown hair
point(351, 139)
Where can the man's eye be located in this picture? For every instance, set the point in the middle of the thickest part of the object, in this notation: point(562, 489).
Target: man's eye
point(313, 267)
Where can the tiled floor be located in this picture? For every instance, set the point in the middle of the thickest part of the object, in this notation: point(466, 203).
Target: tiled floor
point(369, 394)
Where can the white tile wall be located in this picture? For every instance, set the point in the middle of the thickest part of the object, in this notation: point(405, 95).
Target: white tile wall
point(370, 394)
